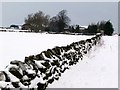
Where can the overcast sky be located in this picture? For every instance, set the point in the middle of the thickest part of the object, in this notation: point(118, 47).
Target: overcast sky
point(82, 13)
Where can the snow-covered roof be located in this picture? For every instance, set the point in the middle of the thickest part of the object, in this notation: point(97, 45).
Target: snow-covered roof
point(83, 26)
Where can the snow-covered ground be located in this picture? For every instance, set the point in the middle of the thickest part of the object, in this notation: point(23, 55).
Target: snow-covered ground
point(99, 68)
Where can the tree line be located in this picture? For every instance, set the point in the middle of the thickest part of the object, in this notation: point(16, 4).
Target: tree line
point(104, 27)
point(41, 22)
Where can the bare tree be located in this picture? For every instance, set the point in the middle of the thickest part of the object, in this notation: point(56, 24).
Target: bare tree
point(60, 21)
point(63, 20)
point(53, 24)
point(37, 21)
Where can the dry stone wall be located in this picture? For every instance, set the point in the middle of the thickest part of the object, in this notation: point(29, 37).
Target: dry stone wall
point(47, 66)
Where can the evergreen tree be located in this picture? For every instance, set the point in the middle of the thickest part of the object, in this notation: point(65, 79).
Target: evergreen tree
point(108, 28)
point(92, 29)
point(77, 30)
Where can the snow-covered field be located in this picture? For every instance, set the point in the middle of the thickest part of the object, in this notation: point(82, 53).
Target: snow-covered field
point(16, 45)
point(99, 68)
